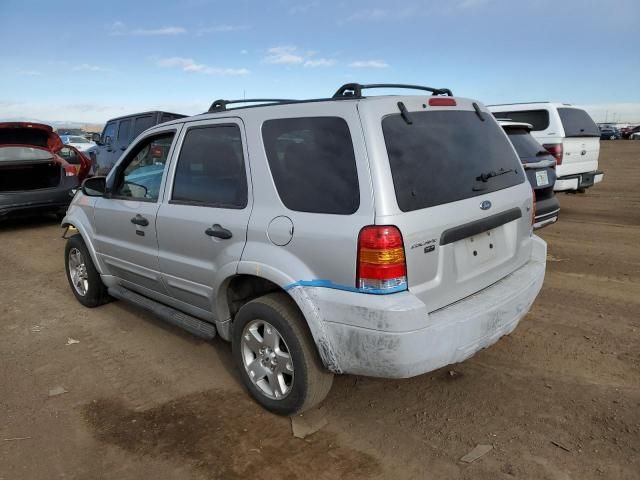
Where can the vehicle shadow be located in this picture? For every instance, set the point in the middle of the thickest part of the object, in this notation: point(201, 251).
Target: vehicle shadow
point(30, 222)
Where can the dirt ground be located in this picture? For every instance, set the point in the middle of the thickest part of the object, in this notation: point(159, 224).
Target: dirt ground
point(557, 399)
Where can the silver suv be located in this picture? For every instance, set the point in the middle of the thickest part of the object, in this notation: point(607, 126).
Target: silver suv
point(383, 235)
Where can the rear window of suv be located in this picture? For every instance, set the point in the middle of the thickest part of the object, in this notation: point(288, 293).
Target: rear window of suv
point(538, 119)
point(577, 123)
point(313, 164)
point(443, 157)
point(528, 148)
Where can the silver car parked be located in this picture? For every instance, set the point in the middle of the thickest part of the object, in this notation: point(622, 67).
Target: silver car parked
point(384, 235)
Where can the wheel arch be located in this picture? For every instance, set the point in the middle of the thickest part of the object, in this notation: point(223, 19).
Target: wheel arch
point(86, 238)
point(243, 287)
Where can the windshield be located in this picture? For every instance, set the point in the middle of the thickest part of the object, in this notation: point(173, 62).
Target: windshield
point(444, 157)
point(528, 148)
point(12, 154)
point(76, 139)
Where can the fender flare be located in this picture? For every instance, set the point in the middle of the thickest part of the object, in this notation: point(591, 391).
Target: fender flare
point(309, 310)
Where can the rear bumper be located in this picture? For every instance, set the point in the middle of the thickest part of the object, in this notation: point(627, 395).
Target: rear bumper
point(578, 181)
point(546, 212)
point(49, 199)
point(393, 336)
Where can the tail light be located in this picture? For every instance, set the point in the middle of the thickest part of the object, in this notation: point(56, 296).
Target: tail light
point(70, 170)
point(442, 102)
point(555, 149)
point(381, 262)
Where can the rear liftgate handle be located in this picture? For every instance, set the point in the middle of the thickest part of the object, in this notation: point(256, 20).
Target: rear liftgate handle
point(219, 232)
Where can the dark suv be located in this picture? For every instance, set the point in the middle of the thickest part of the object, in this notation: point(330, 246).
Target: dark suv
point(119, 132)
point(539, 165)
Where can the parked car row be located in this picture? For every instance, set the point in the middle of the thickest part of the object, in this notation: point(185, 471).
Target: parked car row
point(258, 223)
point(610, 133)
point(568, 133)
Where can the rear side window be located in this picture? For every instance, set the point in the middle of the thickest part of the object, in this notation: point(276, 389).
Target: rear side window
point(141, 124)
point(211, 169)
point(444, 157)
point(577, 123)
point(313, 164)
point(538, 119)
point(123, 131)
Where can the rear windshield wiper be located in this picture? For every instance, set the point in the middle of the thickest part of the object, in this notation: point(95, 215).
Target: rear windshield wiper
point(484, 177)
point(405, 113)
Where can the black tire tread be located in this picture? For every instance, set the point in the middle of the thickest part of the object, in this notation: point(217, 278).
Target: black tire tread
point(97, 294)
point(318, 378)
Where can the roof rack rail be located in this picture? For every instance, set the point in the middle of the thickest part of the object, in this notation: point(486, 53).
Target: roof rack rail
point(221, 105)
point(354, 90)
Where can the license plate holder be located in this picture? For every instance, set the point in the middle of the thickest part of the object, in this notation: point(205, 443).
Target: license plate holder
point(542, 178)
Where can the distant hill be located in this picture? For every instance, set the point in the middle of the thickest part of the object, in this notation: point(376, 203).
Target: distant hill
point(60, 124)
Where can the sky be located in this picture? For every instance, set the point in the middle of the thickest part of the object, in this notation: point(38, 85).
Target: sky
point(85, 61)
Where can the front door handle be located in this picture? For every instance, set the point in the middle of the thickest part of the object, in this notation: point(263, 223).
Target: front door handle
point(140, 220)
point(219, 232)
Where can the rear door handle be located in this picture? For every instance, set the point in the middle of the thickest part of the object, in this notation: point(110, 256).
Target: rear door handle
point(219, 232)
point(140, 220)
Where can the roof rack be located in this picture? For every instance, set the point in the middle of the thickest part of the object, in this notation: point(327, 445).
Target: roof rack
point(354, 90)
point(221, 105)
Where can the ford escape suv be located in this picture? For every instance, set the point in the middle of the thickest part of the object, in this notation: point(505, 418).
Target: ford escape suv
point(375, 235)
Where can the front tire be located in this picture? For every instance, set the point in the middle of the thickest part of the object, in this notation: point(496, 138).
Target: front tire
point(276, 356)
point(82, 275)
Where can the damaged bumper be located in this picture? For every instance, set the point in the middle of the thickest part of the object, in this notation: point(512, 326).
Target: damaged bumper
point(393, 336)
point(44, 200)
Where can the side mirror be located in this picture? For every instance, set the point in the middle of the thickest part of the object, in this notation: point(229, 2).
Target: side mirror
point(95, 137)
point(94, 186)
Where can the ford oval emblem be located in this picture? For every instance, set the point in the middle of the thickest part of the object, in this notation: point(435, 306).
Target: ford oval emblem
point(486, 205)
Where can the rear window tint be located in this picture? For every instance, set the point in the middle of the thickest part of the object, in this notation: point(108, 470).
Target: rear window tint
point(313, 164)
point(538, 119)
point(577, 123)
point(441, 158)
point(527, 147)
point(211, 169)
point(141, 124)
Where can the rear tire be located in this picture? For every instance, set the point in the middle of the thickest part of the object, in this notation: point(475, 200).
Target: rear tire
point(82, 275)
point(274, 323)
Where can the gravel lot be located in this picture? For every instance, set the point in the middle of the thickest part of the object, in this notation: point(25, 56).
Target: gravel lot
point(557, 399)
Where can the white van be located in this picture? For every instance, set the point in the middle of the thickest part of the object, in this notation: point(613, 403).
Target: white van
point(568, 133)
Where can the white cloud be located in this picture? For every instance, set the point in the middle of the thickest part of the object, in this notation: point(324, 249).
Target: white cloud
point(189, 65)
point(222, 29)
point(159, 31)
point(368, 14)
point(472, 3)
point(302, 8)
point(320, 62)
point(284, 55)
point(119, 28)
point(29, 73)
point(86, 67)
point(55, 112)
point(369, 64)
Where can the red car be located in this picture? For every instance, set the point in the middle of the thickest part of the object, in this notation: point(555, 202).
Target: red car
point(37, 171)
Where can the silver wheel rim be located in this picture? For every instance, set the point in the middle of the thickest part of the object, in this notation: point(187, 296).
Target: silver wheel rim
point(266, 359)
point(78, 272)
